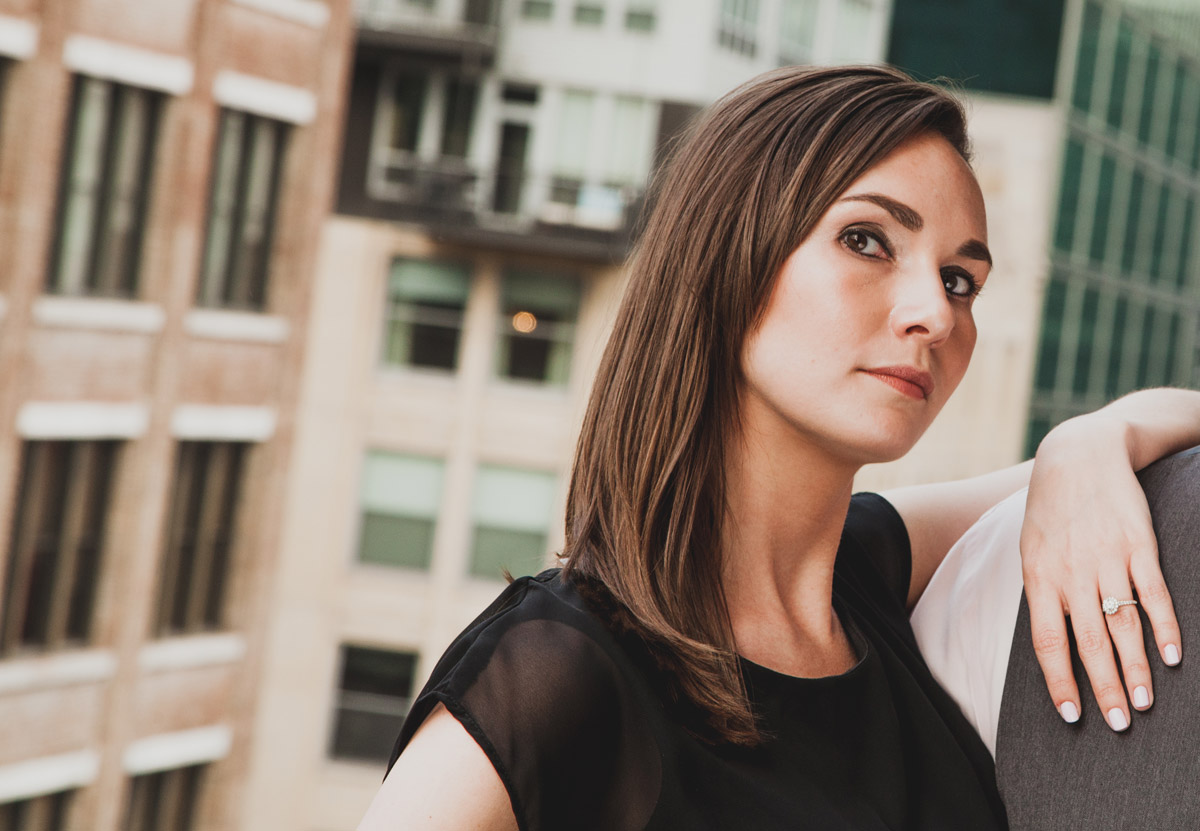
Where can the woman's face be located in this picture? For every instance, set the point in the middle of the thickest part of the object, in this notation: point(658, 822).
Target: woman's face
point(869, 328)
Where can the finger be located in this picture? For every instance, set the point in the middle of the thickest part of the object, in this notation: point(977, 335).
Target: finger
point(1053, 651)
point(1125, 627)
point(1096, 651)
point(1156, 602)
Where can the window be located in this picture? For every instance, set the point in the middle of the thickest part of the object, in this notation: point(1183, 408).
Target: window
point(511, 512)
point(401, 495)
point(852, 40)
point(42, 813)
point(797, 31)
point(631, 142)
point(572, 148)
point(104, 189)
point(373, 697)
point(537, 9)
point(737, 28)
point(164, 801)
point(589, 13)
point(426, 301)
point(200, 536)
point(241, 211)
point(641, 15)
point(459, 117)
point(57, 543)
point(537, 324)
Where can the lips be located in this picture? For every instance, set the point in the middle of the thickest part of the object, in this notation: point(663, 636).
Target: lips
point(914, 383)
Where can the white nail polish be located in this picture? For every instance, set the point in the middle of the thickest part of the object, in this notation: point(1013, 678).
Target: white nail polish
point(1069, 712)
point(1141, 698)
point(1171, 653)
point(1116, 719)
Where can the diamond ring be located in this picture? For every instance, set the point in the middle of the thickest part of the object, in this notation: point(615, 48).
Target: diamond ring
point(1111, 605)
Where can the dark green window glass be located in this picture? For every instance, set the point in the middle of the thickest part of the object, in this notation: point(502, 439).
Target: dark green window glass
point(1133, 218)
point(401, 496)
point(1068, 202)
point(1143, 367)
point(1185, 246)
point(1112, 386)
point(1120, 77)
point(1104, 202)
point(1171, 364)
point(1052, 320)
point(1038, 428)
point(497, 549)
point(1178, 83)
point(1161, 217)
point(390, 540)
point(374, 693)
point(1087, 341)
point(511, 514)
point(1089, 48)
point(1150, 92)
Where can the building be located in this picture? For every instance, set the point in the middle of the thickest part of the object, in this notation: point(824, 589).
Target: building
point(494, 161)
point(164, 172)
point(1085, 119)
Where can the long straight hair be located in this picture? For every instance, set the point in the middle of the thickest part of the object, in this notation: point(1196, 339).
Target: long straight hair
point(646, 499)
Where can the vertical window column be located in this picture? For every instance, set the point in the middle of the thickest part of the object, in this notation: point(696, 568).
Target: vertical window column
point(241, 213)
point(104, 189)
point(57, 544)
point(164, 801)
point(43, 813)
point(200, 536)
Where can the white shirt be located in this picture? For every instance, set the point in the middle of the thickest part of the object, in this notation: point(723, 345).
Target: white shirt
point(964, 621)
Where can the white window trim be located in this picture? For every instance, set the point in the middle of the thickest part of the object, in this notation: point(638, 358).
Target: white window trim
point(168, 751)
point(91, 313)
point(49, 774)
point(128, 65)
point(238, 326)
point(65, 670)
point(203, 422)
point(312, 13)
point(190, 652)
point(82, 420)
point(260, 96)
point(18, 37)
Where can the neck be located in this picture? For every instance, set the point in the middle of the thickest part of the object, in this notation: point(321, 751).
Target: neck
point(786, 504)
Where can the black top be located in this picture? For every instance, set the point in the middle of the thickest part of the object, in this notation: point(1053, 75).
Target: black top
point(575, 719)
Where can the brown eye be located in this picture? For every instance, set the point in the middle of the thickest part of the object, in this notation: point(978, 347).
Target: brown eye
point(865, 243)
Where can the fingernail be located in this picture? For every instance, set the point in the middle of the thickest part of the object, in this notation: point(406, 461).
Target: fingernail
point(1141, 698)
point(1117, 720)
point(1069, 712)
point(1172, 654)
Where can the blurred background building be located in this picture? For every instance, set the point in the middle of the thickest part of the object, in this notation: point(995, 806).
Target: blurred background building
point(301, 302)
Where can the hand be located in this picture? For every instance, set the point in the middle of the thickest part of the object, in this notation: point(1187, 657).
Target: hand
point(1088, 535)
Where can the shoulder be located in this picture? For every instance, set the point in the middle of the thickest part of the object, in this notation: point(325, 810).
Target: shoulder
point(547, 694)
point(875, 550)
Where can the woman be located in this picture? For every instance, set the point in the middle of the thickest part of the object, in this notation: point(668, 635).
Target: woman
point(727, 644)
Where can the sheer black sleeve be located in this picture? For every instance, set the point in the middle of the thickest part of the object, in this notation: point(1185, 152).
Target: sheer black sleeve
point(546, 694)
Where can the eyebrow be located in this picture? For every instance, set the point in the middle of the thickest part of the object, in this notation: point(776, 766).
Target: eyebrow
point(911, 220)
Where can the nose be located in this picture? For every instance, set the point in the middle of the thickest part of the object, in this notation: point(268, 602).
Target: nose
point(922, 308)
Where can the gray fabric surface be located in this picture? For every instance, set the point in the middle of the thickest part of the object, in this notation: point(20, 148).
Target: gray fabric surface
point(1085, 776)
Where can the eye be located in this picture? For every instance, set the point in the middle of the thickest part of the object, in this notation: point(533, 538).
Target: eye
point(867, 243)
point(959, 283)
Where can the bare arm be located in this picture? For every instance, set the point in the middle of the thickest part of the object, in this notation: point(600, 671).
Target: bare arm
point(442, 781)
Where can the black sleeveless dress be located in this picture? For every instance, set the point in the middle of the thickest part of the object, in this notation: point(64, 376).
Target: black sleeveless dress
point(575, 720)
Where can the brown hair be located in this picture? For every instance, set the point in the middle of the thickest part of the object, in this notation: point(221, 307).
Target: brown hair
point(646, 498)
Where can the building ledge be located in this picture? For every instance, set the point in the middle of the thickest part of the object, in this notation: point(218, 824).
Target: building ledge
point(68, 669)
point(191, 652)
point(99, 313)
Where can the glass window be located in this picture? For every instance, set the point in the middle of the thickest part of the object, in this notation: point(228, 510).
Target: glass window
point(424, 313)
point(459, 118)
point(571, 151)
point(1116, 339)
point(1174, 347)
point(1089, 48)
point(41, 813)
point(374, 694)
point(797, 31)
point(537, 326)
point(1154, 63)
point(404, 107)
point(1133, 220)
point(401, 495)
point(589, 14)
point(241, 212)
point(1144, 364)
point(628, 159)
point(199, 541)
point(1178, 85)
point(511, 514)
point(1087, 339)
point(537, 9)
point(641, 15)
point(1038, 428)
point(1052, 325)
point(1104, 202)
point(853, 24)
point(1120, 77)
point(1068, 205)
point(1161, 220)
point(480, 12)
point(737, 27)
point(1185, 250)
point(167, 800)
point(107, 169)
point(57, 543)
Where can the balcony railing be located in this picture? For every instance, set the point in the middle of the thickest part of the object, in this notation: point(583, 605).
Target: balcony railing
point(478, 21)
point(451, 190)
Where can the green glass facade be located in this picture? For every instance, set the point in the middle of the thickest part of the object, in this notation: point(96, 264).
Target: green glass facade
point(1123, 298)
